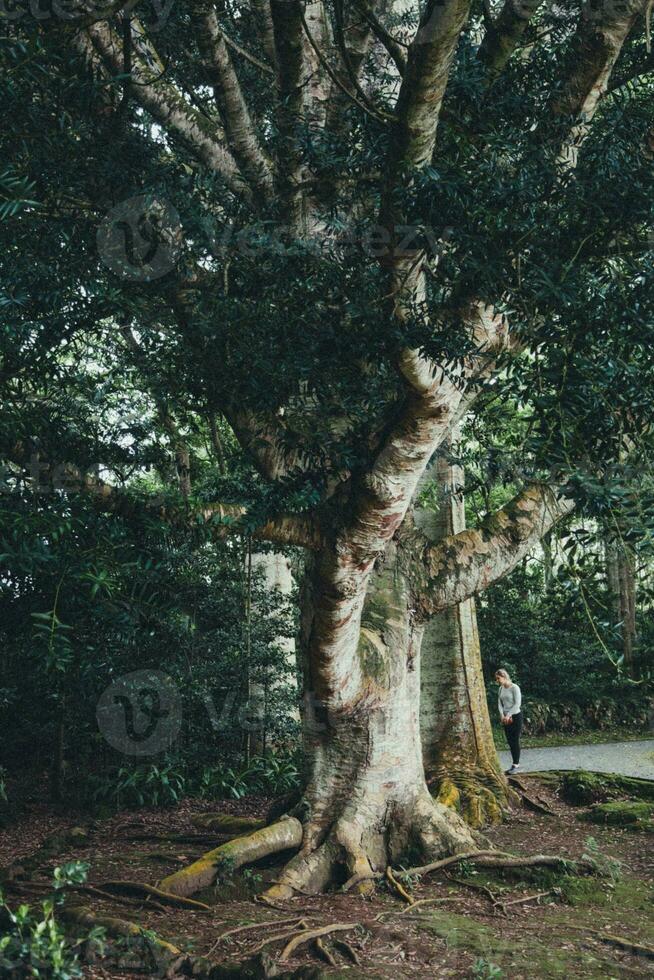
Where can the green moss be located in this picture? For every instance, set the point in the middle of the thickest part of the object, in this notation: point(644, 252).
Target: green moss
point(520, 955)
point(623, 814)
point(584, 788)
point(463, 932)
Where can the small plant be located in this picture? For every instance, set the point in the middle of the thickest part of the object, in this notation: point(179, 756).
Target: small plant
point(607, 866)
point(153, 785)
point(222, 783)
point(34, 944)
point(252, 878)
point(485, 970)
point(269, 775)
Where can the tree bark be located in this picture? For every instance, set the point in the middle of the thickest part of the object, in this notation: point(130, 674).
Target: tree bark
point(621, 583)
point(461, 763)
point(366, 802)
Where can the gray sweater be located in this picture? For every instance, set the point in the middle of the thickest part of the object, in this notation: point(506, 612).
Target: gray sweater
point(509, 700)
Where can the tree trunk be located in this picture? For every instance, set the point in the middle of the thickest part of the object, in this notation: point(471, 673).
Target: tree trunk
point(366, 802)
point(461, 762)
point(276, 570)
point(621, 582)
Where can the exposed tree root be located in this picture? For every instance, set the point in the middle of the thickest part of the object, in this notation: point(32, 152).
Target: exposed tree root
point(474, 886)
point(227, 823)
point(306, 937)
point(344, 947)
point(295, 920)
point(368, 836)
point(323, 952)
point(504, 905)
point(149, 891)
point(166, 958)
point(500, 859)
point(278, 937)
point(397, 887)
point(41, 888)
point(481, 796)
point(636, 949)
point(284, 835)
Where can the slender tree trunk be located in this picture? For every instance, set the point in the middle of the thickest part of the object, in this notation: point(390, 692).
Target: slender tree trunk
point(548, 560)
point(621, 582)
point(276, 570)
point(461, 762)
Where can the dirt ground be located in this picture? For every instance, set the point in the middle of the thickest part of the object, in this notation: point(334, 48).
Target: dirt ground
point(467, 929)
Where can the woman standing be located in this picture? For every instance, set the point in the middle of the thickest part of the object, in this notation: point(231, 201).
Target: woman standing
point(509, 701)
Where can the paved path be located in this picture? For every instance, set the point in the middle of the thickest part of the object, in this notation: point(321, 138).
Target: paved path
point(627, 758)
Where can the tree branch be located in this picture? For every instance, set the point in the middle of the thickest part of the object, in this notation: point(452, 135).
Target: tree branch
point(167, 105)
point(423, 86)
point(464, 564)
point(601, 32)
point(222, 519)
point(232, 106)
point(394, 48)
point(505, 34)
point(289, 40)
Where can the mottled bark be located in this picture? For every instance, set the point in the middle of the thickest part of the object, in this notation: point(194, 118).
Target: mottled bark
point(423, 85)
point(171, 111)
point(232, 105)
point(275, 569)
point(504, 35)
point(602, 30)
point(289, 58)
point(366, 801)
point(621, 582)
point(464, 564)
point(459, 753)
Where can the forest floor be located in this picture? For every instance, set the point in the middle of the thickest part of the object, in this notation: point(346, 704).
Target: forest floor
point(470, 929)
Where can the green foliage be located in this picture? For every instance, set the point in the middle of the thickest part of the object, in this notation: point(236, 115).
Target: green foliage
point(150, 785)
point(483, 969)
point(545, 639)
point(607, 866)
point(274, 774)
point(34, 943)
point(86, 599)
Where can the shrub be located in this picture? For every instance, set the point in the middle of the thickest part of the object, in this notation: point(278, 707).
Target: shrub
point(34, 944)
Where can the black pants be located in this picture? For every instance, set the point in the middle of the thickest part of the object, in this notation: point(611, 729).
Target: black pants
point(513, 736)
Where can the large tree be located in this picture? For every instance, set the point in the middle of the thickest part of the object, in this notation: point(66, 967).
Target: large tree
point(389, 218)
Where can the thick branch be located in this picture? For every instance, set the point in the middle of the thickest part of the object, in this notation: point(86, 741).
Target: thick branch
point(263, 15)
point(232, 106)
point(289, 42)
point(602, 30)
point(425, 79)
point(464, 564)
point(505, 34)
point(168, 107)
point(223, 519)
point(393, 47)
